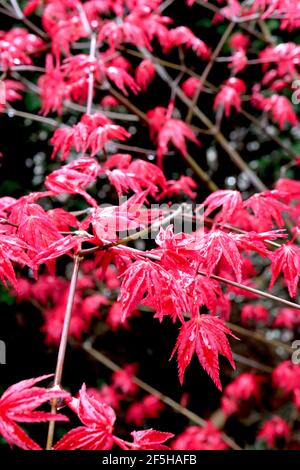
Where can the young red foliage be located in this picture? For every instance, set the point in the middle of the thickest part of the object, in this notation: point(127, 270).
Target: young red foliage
point(205, 335)
point(18, 405)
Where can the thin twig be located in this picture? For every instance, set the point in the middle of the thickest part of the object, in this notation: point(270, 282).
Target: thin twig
point(251, 363)
point(198, 170)
point(12, 112)
point(276, 139)
point(258, 292)
point(217, 134)
point(89, 103)
point(135, 236)
point(207, 70)
point(63, 345)
point(254, 334)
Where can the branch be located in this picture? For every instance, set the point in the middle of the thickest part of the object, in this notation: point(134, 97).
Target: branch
point(220, 138)
point(258, 292)
point(198, 170)
point(63, 346)
point(89, 103)
point(207, 69)
point(254, 334)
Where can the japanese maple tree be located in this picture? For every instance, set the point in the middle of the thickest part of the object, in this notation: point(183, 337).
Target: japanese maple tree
point(111, 235)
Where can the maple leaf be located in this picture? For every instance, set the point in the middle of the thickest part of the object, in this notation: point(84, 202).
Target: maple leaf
point(287, 318)
point(137, 176)
point(267, 208)
point(12, 91)
point(122, 379)
point(218, 245)
point(273, 429)
point(144, 74)
point(230, 95)
point(185, 185)
point(54, 89)
point(289, 187)
point(74, 177)
point(92, 132)
point(18, 404)
point(254, 241)
point(190, 86)
point(149, 407)
point(286, 259)
point(16, 46)
point(13, 249)
point(109, 221)
point(206, 437)
point(162, 288)
point(229, 200)
point(205, 335)
point(62, 219)
point(239, 41)
point(56, 249)
point(101, 135)
point(125, 32)
point(118, 160)
point(98, 419)
point(183, 36)
point(35, 227)
point(121, 79)
point(257, 312)
point(286, 376)
point(245, 387)
point(238, 62)
point(150, 440)
point(281, 110)
point(166, 130)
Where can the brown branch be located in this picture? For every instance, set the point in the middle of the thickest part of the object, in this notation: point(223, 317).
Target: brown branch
point(271, 136)
point(251, 363)
point(241, 24)
point(258, 292)
point(198, 170)
point(254, 334)
point(207, 70)
point(217, 134)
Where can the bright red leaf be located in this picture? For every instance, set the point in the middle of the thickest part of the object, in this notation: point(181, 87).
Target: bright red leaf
point(205, 335)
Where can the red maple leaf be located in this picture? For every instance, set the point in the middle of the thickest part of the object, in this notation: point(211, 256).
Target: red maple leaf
point(230, 95)
point(150, 440)
point(92, 132)
point(267, 208)
point(229, 200)
point(137, 176)
point(286, 259)
point(205, 335)
point(56, 249)
point(74, 177)
point(163, 291)
point(13, 249)
point(18, 404)
point(144, 74)
point(166, 130)
point(218, 245)
point(98, 419)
